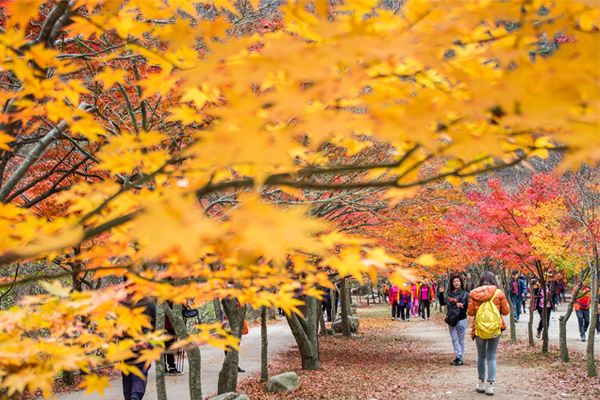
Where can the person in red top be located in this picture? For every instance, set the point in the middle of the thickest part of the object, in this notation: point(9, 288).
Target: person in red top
point(583, 301)
point(394, 299)
point(426, 295)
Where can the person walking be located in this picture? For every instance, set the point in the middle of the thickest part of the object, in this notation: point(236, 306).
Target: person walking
point(582, 305)
point(525, 284)
point(426, 296)
point(517, 289)
point(405, 303)
point(394, 299)
point(457, 299)
point(543, 299)
point(415, 300)
point(134, 386)
point(487, 304)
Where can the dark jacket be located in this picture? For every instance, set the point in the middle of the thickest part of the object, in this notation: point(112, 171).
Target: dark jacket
point(517, 287)
point(455, 313)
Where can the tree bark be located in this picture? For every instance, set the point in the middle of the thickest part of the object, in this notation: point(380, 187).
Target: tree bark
point(305, 334)
point(264, 343)
point(218, 310)
point(161, 388)
point(591, 362)
point(345, 308)
point(193, 352)
point(530, 322)
point(563, 319)
point(228, 375)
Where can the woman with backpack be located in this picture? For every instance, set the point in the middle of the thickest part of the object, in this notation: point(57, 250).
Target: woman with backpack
point(543, 299)
point(456, 300)
point(488, 304)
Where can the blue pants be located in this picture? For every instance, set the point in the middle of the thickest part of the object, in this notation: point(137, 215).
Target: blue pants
point(486, 354)
point(134, 387)
point(457, 334)
point(516, 302)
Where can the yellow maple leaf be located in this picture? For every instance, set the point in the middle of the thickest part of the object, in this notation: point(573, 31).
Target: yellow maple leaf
point(95, 383)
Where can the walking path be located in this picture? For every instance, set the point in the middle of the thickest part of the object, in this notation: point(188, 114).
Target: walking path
point(280, 339)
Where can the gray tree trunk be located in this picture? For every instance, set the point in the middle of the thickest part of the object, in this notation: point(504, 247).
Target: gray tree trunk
point(218, 310)
point(264, 343)
point(530, 322)
point(161, 388)
point(591, 362)
point(229, 371)
point(193, 352)
point(563, 319)
point(305, 334)
point(345, 308)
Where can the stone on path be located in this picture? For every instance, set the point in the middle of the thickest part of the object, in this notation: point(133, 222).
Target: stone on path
point(230, 396)
point(285, 382)
point(337, 324)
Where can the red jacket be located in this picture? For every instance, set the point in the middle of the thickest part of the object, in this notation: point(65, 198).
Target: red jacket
point(484, 293)
point(394, 295)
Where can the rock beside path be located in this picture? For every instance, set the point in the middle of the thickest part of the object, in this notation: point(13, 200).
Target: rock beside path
point(352, 320)
point(285, 382)
point(230, 396)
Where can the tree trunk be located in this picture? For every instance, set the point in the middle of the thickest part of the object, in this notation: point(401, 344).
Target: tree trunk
point(218, 310)
point(563, 319)
point(229, 371)
point(161, 388)
point(264, 360)
point(591, 362)
point(345, 308)
point(545, 338)
point(530, 322)
point(511, 316)
point(334, 301)
point(305, 334)
point(193, 352)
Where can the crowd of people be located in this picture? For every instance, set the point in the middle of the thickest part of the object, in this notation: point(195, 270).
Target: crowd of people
point(488, 301)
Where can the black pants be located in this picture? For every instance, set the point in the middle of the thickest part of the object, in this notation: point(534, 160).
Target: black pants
point(425, 306)
point(395, 310)
point(598, 323)
point(405, 312)
point(583, 319)
point(327, 309)
point(134, 387)
point(541, 324)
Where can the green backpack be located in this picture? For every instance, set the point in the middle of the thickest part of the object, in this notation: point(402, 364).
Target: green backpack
point(488, 321)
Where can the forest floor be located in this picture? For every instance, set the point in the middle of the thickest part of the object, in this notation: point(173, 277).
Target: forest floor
point(393, 359)
point(389, 360)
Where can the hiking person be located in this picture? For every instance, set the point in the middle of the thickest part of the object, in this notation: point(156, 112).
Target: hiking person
point(415, 303)
point(394, 299)
point(517, 289)
point(426, 296)
point(582, 305)
point(134, 386)
point(457, 299)
point(525, 284)
point(543, 299)
point(326, 304)
point(487, 303)
point(405, 300)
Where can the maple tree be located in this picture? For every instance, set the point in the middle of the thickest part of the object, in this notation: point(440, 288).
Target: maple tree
point(525, 227)
point(125, 120)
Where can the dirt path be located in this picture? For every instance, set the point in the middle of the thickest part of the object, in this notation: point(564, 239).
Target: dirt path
point(514, 380)
point(450, 382)
point(280, 339)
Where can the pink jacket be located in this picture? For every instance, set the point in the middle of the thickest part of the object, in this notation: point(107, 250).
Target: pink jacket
point(394, 294)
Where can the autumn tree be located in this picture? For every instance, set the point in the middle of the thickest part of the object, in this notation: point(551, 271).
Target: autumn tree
point(164, 107)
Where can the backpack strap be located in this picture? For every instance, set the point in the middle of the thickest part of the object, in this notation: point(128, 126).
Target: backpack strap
point(494, 296)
